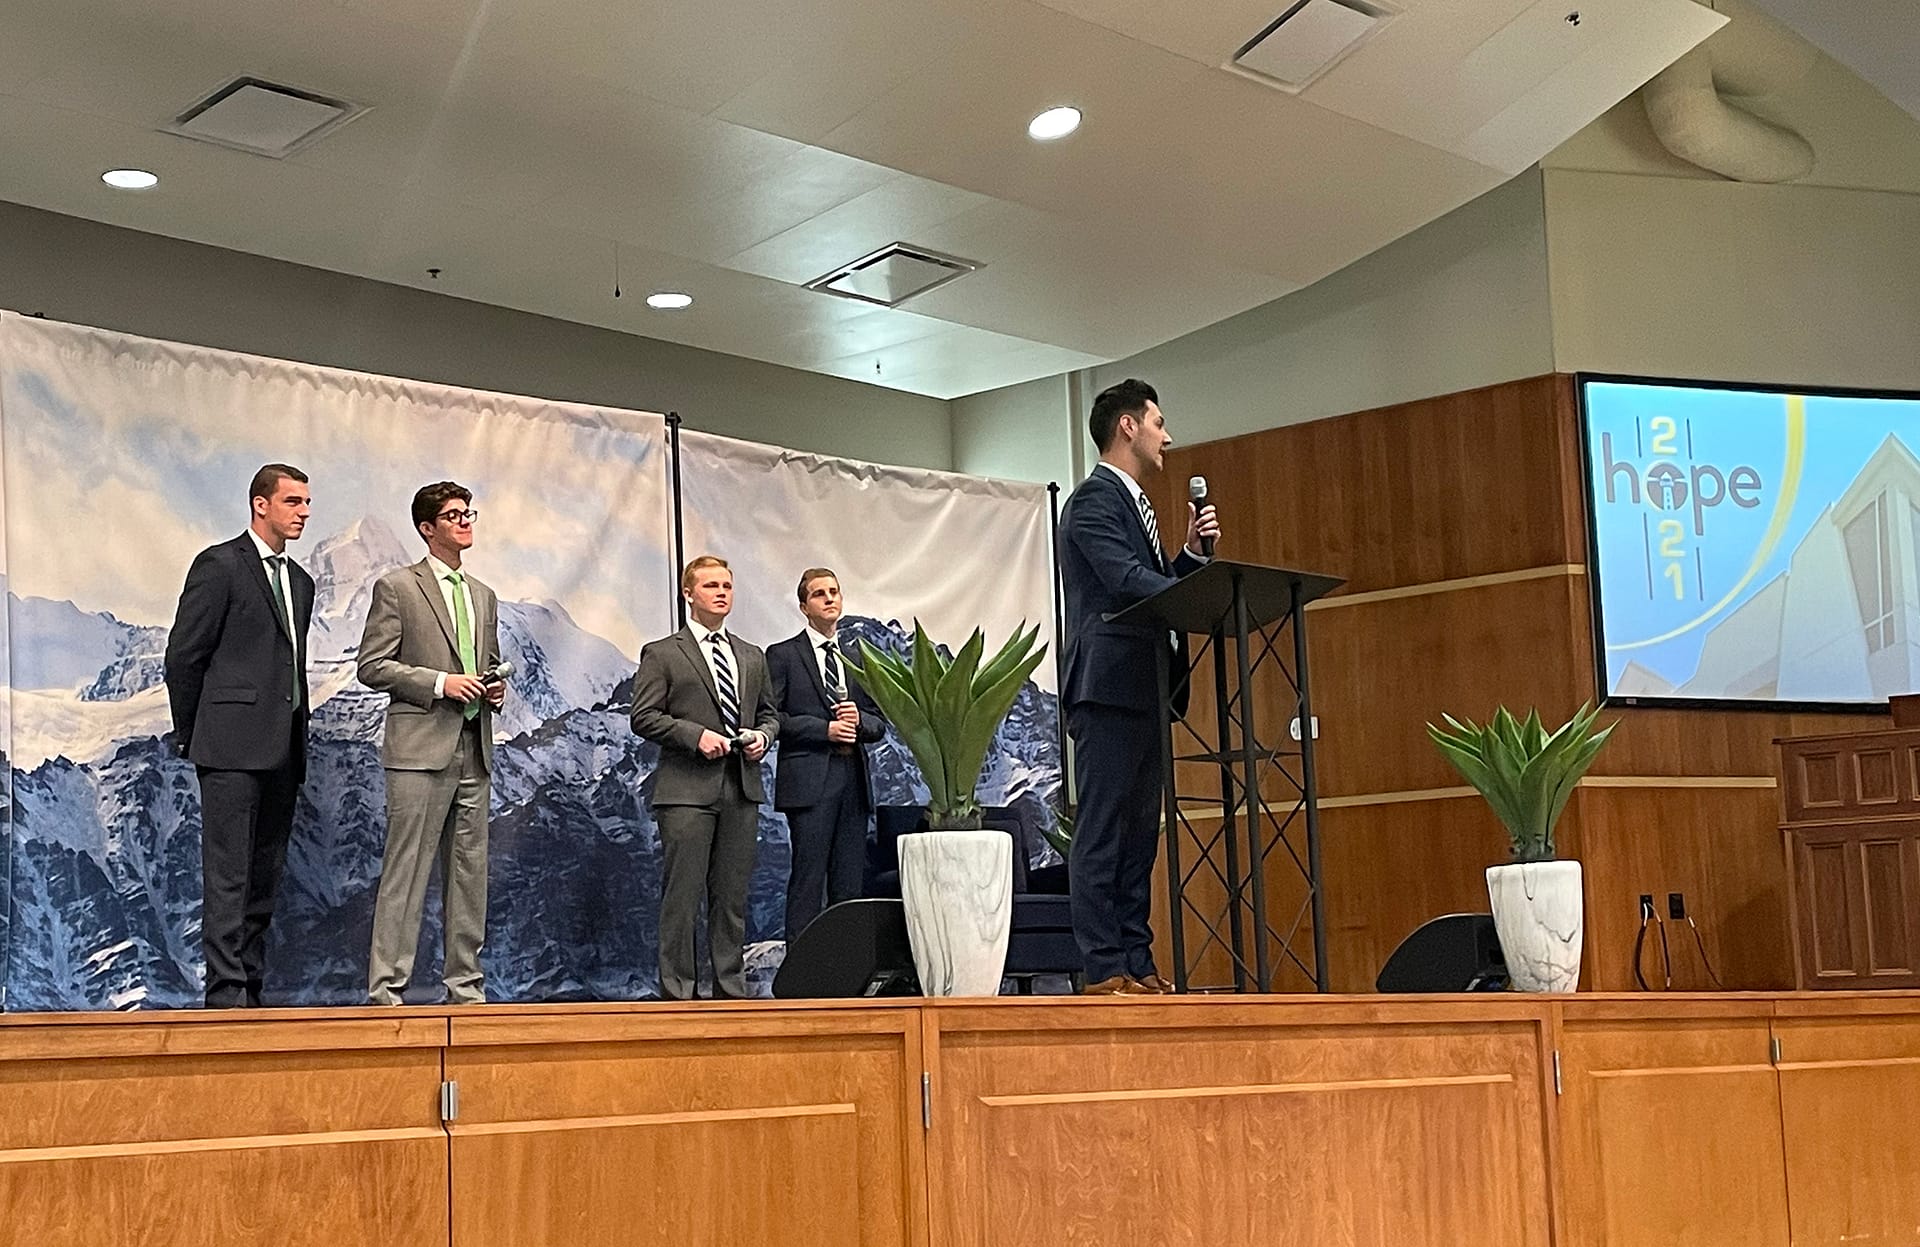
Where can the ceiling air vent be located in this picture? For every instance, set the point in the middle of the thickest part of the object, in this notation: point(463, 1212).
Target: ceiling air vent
point(892, 275)
point(1307, 40)
point(265, 118)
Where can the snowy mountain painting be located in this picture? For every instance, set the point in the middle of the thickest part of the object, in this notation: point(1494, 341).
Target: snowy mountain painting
point(106, 869)
point(120, 457)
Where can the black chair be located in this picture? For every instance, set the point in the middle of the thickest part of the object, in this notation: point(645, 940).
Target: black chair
point(1451, 953)
point(854, 948)
point(1042, 940)
point(890, 822)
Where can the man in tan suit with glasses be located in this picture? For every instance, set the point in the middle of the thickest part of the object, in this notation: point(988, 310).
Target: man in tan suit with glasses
point(432, 643)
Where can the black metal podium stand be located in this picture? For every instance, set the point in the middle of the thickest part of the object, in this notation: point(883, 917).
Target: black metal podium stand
point(1241, 613)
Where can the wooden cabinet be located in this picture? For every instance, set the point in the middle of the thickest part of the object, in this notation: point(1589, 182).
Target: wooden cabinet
point(1850, 819)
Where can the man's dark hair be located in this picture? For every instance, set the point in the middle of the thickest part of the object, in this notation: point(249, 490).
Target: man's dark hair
point(1129, 398)
point(266, 482)
point(430, 498)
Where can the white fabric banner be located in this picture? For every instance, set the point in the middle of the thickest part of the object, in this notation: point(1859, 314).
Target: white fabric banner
point(954, 552)
point(123, 457)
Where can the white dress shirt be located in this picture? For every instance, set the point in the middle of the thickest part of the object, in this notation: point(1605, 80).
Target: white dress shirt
point(281, 584)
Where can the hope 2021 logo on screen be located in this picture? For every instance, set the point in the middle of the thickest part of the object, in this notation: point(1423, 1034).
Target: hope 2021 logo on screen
point(1692, 492)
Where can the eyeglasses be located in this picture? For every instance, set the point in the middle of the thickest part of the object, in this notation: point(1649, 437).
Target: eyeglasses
point(458, 517)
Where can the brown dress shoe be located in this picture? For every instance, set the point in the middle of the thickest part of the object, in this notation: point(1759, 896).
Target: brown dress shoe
point(1118, 985)
point(1154, 985)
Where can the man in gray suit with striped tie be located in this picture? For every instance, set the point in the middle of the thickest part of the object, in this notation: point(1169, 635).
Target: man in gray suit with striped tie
point(431, 642)
point(703, 696)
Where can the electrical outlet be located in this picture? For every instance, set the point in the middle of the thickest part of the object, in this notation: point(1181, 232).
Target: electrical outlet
point(1646, 906)
point(1677, 906)
point(1293, 728)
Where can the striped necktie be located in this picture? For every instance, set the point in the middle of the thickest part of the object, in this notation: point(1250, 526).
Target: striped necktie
point(836, 681)
point(723, 681)
point(1153, 530)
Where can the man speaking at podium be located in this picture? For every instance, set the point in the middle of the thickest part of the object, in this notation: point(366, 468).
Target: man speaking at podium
point(1111, 558)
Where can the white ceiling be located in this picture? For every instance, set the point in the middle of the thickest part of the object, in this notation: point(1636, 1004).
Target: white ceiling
point(738, 148)
point(1877, 39)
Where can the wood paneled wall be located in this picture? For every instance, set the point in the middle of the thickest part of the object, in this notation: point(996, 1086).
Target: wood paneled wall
point(1459, 524)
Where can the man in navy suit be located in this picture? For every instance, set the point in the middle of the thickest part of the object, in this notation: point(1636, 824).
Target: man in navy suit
point(236, 670)
point(820, 782)
point(1111, 558)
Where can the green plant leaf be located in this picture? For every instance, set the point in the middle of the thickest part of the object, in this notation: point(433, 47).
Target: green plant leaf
point(983, 719)
point(951, 700)
point(1526, 773)
point(898, 699)
point(1010, 656)
point(927, 666)
point(947, 710)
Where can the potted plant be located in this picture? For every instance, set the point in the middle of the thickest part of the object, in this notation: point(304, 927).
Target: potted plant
point(956, 879)
point(1527, 774)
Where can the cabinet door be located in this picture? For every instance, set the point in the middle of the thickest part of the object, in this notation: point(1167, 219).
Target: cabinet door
point(1850, 1110)
point(1670, 1130)
point(1857, 891)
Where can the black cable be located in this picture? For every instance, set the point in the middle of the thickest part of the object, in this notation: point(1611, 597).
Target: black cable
point(1706, 961)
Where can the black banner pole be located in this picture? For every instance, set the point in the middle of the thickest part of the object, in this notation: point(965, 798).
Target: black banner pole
point(679, 528)
point(1059, 642)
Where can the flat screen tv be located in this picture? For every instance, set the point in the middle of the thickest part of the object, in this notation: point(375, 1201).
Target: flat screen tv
point(1752, 545)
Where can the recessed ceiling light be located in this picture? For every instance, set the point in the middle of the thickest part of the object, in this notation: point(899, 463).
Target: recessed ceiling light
point(130, 179)
point(669, 300)
point(1055, 123)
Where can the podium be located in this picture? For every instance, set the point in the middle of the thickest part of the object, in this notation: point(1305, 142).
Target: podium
point(1263, 808)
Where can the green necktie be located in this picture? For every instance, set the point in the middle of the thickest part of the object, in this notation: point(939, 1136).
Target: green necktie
point(463, 634)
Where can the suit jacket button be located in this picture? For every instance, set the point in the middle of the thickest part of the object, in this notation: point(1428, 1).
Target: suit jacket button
point(288, 699)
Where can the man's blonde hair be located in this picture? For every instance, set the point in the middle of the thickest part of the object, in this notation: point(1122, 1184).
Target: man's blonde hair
point(699, 565)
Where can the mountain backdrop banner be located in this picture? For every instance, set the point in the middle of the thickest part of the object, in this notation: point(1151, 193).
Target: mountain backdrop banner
point(950, 551)
point(121, 457)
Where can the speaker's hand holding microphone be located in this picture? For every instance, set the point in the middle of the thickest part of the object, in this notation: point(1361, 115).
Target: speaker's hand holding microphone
point(494, 680)
point(1203, 524)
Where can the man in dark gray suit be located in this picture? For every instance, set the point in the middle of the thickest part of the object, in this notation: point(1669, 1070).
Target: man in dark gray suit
point(703, 696)
point(237, 684)
point(432, 642)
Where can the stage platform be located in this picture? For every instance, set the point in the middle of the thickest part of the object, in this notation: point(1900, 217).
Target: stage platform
point(1489, 1120)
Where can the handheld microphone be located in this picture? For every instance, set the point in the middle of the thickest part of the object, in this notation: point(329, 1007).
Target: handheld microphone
point(1197, 494)
point(497, 674)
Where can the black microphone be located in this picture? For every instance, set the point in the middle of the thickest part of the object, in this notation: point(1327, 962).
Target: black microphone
point(1197, 494)
point(497, 674)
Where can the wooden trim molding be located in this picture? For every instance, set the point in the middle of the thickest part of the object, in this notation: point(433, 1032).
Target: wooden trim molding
point(1200, 814)
point(1449, 586)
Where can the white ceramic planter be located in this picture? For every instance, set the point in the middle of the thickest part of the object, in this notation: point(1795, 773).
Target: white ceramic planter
point(1539, 911)
point(958, 890)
